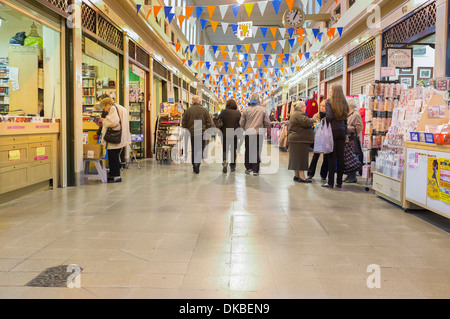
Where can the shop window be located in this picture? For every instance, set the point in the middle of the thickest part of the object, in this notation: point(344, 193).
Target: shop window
point(30, 67)
point(351, 2)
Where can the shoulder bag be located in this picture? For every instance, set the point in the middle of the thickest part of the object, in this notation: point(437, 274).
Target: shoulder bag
point(114, 136)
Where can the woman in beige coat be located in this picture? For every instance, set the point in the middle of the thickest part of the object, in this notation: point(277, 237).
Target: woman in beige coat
point(117, 117)
point(300, 138)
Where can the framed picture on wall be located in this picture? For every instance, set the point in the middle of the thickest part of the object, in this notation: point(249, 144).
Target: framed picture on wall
point(407, 79)
point(424, 73)
point(406, 71)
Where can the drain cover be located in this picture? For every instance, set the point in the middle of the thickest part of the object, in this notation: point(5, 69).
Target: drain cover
point(55, 276)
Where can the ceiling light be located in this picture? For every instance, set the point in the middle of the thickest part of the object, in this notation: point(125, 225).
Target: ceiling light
point(240, 1)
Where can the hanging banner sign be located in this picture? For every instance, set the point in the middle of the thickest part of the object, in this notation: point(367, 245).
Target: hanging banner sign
point(399, 58)
point(244, 30)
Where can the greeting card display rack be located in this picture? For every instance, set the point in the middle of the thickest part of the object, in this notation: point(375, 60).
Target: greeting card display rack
point(380, 99)
point(167, 136)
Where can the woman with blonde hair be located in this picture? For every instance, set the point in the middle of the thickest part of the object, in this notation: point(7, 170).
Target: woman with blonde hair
point(336, 109)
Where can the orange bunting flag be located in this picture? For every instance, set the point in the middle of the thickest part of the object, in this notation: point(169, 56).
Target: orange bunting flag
point(300, 55)
point(200, 49)
point(201, 63)
point(290, 4)
point(273, 44)
point(156, 10)
point(224, 54)
point(331, 32)
point(181, 19)
point(214, 25)
point(148, 14)
point(259, 63)
point(259, 56)
point(300, 32)
point(183, 61)
point(280, 61)
point(300, 40)
point(189, 11)
point(274, 31)
point(247, 47)
point(177, 46)
point(211, 11)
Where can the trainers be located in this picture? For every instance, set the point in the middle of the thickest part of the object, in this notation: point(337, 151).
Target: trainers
point(255, 173)
point(248, 171)
point(196, 169)
point(351, 180)
point(224, 167)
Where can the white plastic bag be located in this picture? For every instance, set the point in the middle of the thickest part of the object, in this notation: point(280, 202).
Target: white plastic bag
point(323, 141)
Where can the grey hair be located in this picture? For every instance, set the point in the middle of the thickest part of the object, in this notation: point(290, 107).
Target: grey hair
point(196, 99)
point(255, 96)
point(351, 102)
point(299, 105)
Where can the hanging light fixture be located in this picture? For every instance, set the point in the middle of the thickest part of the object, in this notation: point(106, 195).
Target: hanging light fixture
point(240, 1)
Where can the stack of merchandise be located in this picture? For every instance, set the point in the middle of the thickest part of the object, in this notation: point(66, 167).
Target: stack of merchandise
point(380, 99)
point(405, 117)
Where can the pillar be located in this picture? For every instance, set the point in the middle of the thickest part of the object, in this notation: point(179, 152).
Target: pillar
point(378, 50)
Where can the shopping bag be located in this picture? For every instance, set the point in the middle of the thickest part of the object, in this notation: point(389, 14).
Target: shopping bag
point(323, 141)
point(351, 161)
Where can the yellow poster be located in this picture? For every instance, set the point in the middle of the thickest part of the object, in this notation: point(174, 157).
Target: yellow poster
point(444, 179)
point(433, 178)
point(40, 151)
point(14, 155)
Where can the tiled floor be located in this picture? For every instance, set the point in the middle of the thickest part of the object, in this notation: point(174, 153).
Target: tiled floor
point(167, 233)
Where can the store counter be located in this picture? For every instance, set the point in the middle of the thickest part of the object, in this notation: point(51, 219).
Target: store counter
point(427, 176)
point(28, 158)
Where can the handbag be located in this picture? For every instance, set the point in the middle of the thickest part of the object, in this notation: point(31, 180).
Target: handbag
point(351, 161)
point(323, 140)
point(114, 136)
point(355, 144)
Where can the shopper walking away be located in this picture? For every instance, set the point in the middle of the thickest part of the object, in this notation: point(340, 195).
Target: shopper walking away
point(117, 118)
point(230, 118)
point(254, 118)
point(318, 117)
point(300, 138)
point(336, 109)
point(197, 120)
point(354, 129)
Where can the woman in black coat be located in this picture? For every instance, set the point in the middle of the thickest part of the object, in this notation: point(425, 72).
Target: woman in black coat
point(337, 110)
point(230, 118)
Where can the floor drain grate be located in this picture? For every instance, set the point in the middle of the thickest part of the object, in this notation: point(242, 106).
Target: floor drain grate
point(55, 276)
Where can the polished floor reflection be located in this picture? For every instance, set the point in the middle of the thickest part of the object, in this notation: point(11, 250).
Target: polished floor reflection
point(165, 232)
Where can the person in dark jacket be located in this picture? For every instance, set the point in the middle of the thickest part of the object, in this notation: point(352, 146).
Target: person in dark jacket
point(300, 138)
point(230, 118)
point(197, 113)
point(337, 110)
point(318, 117)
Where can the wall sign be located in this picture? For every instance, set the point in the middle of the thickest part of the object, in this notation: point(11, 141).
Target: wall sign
point(399, 58)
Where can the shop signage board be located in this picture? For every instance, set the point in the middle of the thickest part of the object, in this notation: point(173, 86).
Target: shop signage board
point(399, 58)
point(387, 71)
point(244, 29)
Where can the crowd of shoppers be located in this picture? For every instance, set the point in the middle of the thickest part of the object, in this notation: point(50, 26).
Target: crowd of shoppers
point(249, 126)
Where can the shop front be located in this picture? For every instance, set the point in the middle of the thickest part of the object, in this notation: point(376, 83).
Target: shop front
point(418, 40)
point(31, 98)
point(140, 125)
point(361, 67)
point(312, 84)
point(332, 74)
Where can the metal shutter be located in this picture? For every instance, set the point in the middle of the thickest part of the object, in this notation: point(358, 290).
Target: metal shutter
point(361, 76)
point(337, 80)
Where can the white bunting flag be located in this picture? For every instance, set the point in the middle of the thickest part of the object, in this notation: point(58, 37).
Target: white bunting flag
point(224, 26)
point(223, 10)
point(262, 6)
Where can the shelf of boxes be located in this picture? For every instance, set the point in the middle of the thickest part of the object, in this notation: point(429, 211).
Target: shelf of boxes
point(4, 85)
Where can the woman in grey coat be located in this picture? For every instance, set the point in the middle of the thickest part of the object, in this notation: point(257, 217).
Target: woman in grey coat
point(300, 138)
